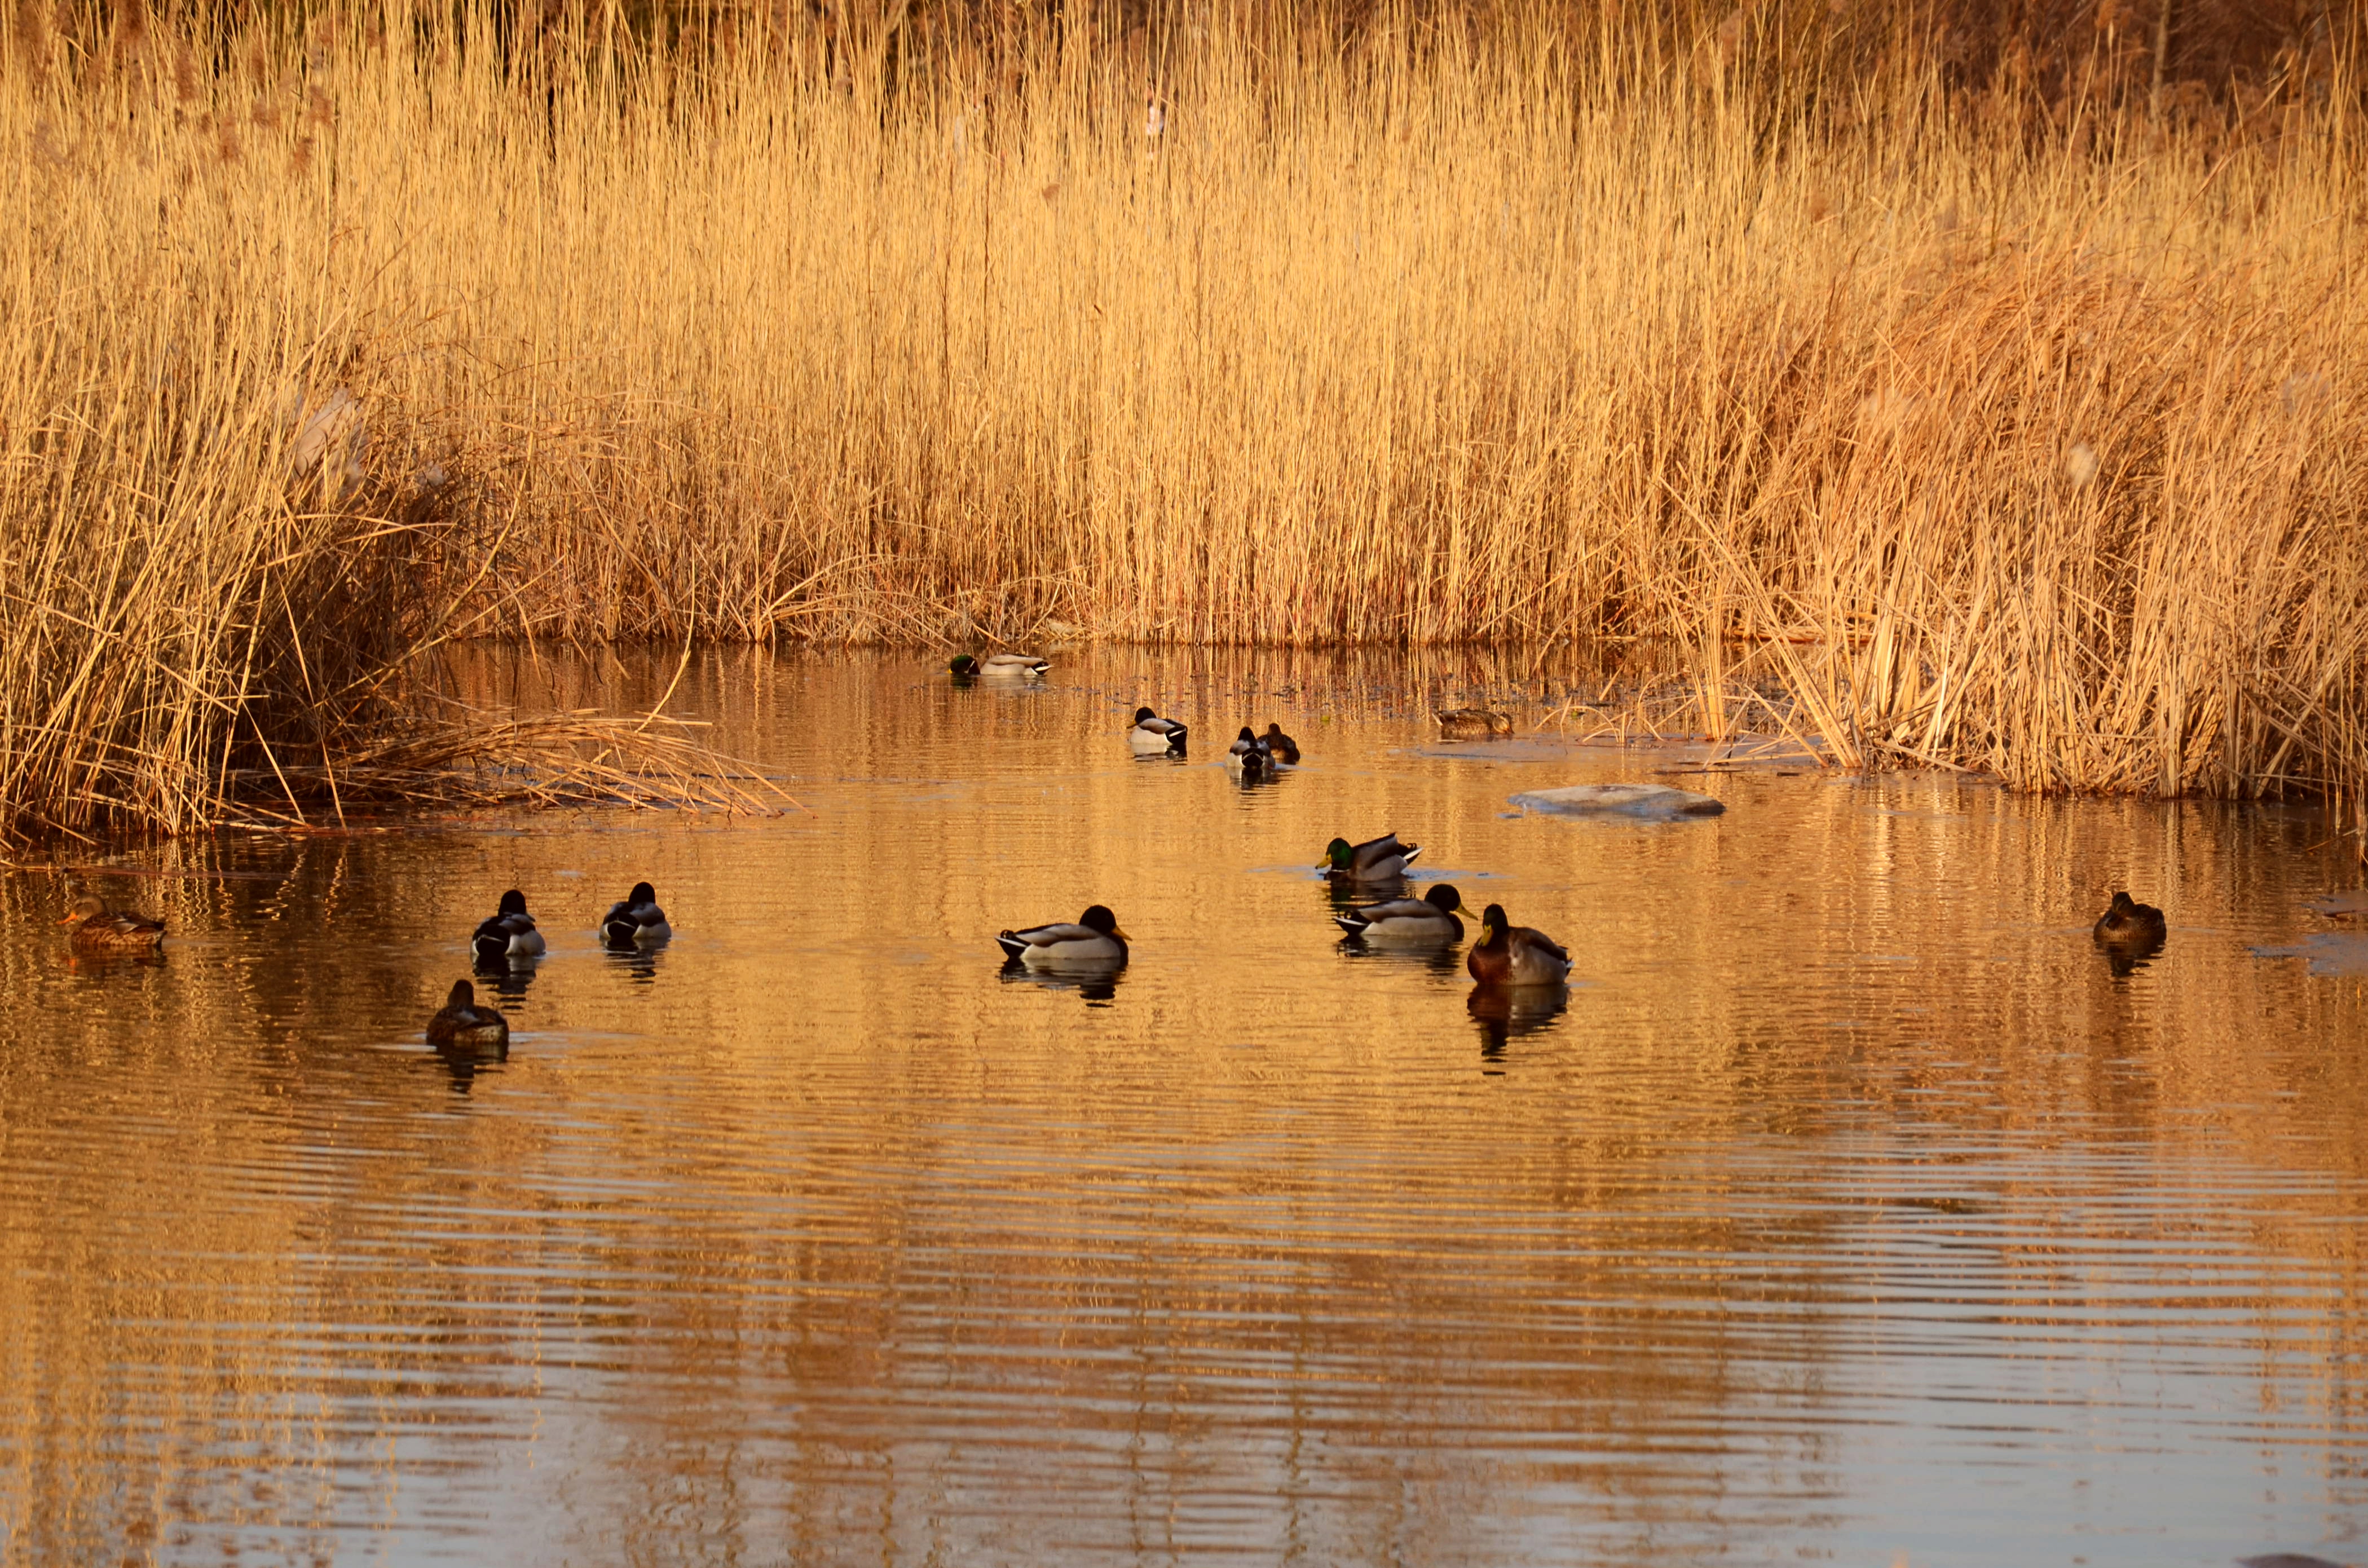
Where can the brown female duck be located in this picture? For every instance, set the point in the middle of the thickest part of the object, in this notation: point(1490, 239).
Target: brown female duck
point(97, 928)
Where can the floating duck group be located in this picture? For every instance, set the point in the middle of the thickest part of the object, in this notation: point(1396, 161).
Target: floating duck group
point(1506, 955)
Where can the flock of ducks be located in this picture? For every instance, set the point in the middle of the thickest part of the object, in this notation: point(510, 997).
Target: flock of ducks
point(633, 924)
point(1506, 955)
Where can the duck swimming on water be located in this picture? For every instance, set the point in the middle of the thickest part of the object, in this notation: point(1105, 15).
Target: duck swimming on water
point(1011, 666)
point(1152, 734)
point(2129, 924)
point(1285, 748)
point(1507, 954)
point(1473, 725)
point(635, 920)
point(97, 928)
point(509, 932)
point(1248, 756)
point(461, 1022)
point(1429, 920)
point(1375, 860)
point(1092, 939)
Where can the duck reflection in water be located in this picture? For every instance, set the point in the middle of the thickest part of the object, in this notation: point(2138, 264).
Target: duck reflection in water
point(508, 978)
point(1502, 1013)
point(639, 965)
point(1096, 986)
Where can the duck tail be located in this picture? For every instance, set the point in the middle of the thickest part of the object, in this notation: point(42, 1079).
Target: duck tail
point(1353, 924)
point(1012, 946)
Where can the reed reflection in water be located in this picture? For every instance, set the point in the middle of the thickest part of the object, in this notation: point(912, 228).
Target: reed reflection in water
point(1848, 1203)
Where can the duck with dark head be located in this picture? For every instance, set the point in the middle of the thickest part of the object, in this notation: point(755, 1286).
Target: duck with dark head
point(507, 933)
point(2128, 933)
point(1507, 954)
point(636, 921)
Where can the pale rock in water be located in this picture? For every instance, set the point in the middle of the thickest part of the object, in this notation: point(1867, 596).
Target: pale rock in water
point(1655, 802)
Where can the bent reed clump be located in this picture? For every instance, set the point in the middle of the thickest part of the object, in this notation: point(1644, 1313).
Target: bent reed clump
point(2002, 427)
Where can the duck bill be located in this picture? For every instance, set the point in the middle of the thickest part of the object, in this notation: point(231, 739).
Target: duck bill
point(1121, 935)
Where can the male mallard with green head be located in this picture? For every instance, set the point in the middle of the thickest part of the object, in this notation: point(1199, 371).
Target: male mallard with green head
point(1506, 954)
point(1375, 860)
point(1426, 922)
point(97, 928)
point(461, 1022)
point(1002, 666)
point(1093, 939)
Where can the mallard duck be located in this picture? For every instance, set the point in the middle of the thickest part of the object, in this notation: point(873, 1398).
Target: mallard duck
point(1427, 922)
point(635, 920)
point(2129, 924)
point(461, 1022)
point(100, 928)
point(1514, 955)
point(509, 932)
point(1152, 734)
point(1094, 939)
point(1248, 756)
point(1473, 723)
point(1016, 666)
point(1375, 860)
point(1285, 749)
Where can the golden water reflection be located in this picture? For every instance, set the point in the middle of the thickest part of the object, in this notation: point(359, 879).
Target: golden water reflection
point(1849, 1204)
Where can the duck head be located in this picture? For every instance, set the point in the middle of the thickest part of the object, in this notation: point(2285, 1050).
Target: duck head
point(1098, 918)
point(463, 996)
point(642, 893)
point(1493, 924)
point(1446, 900)
point(86, 907)
point(963, 664)
point(513, 903)
point(1142, 713)
point(1336, 856)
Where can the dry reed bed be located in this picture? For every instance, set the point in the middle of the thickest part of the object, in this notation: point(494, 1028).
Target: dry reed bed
point(2002, 440)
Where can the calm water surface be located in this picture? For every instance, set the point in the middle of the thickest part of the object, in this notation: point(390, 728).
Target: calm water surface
point(1848, 1207)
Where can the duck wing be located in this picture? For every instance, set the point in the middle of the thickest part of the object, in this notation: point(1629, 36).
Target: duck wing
point(492, 939)
point(1538, 941)
point(1356, 921)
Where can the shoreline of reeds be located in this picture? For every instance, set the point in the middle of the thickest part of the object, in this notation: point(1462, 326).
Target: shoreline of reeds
point(2010, 426)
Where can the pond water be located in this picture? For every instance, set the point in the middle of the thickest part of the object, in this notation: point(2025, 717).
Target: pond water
point(1849, 1207)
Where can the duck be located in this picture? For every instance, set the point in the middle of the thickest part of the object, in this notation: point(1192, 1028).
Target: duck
point(1506, 954)
point(635, 920)
point(1093, 939)
point(1015, 667)
point(97, 928)
point(1285, 749)
point(1375, 860)
point(2129, 924)
point(509, 932)
point(1153, 734)
point(1428, 921)
point(461, 1022)
point(1473, 723)
point(1249, 756)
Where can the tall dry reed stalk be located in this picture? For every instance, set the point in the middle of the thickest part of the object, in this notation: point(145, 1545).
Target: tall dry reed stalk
point(2004, 432)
